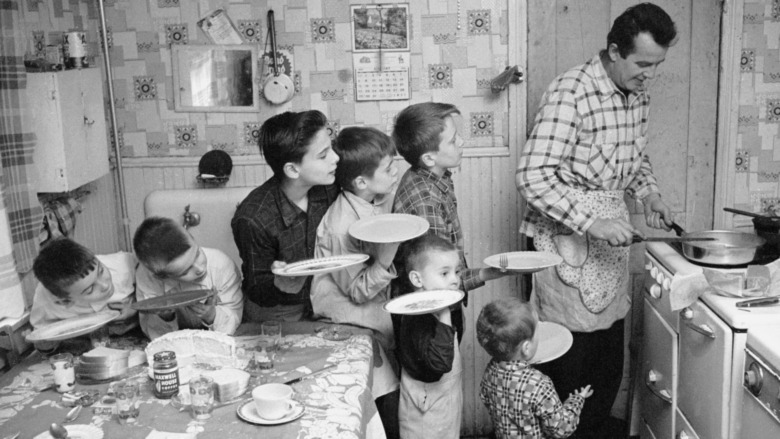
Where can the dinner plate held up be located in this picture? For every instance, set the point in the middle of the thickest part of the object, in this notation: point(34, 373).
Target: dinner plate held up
point(423, 302)
point(73, 327)
point(170, 301)
point(554, 340)
point(311, 267)
point(525, 262)
point(389, 228)
point(248, 412)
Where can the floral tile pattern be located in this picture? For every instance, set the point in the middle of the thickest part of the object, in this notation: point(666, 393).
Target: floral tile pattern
point(440, 75)
point(250, 30)
point(176, 34)
point(479, 22)
point(773, 110)
point(167, 3)
point(323, 30)
point(481, 124)
point(186, 136)
point(742, 161)
point(333, 127)
point(748, 60)
point(251, 133)
point(145, 88)
point(39, 44)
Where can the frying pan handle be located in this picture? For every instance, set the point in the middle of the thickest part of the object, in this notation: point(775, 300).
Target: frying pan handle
point(677, 229)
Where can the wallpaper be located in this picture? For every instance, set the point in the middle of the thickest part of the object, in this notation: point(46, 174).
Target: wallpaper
point(455, 48)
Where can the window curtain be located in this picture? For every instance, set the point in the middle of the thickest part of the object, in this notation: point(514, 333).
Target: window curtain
point(21, 215)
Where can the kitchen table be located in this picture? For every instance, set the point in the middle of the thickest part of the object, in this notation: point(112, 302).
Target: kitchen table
point(337, 401)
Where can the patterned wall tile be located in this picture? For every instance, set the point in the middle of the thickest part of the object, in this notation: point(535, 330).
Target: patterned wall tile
point(753, 13)
point(251, 31)
point(145, 88)
point(186, 136)
point(147, 42)
point(748, 60)
point(177, 34)
point(742, 161)
point(748, 116)
point(167, 3)
point(771, 66)
point(251, 133)
point(440, 75)
point(39, 44)
point(221, 137)
point(333, 127)
point(479, 22)
point(773, 110)
point(775, 10)
point(323, 30)
point(481, 124)
point(770, 206)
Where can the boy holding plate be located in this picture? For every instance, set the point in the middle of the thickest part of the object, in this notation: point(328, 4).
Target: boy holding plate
point(75, 282)
point(355, 295)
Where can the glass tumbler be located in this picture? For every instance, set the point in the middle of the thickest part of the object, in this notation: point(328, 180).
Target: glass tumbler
point(201, 397)
point(64, 373)
point(127, 393)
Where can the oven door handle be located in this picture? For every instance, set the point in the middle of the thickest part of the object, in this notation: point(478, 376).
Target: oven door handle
point(702, 329)
point(661, 394)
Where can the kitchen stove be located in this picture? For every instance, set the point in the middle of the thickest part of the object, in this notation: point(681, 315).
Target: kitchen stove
point(761, 406)
point(693, 359)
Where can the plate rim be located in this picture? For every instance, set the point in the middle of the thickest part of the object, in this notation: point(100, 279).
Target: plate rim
point(95, 431)
point(358, 258)
point(569, 338)
point(412, 218)
point(488, 260)
point(86, 330)
point(136, 306)
point(414, 313)
point(279, 421)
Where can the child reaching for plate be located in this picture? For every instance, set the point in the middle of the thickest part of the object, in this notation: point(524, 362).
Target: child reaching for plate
point(355, 295)
point(75, 282)
point(431, 398)
point(522, 401)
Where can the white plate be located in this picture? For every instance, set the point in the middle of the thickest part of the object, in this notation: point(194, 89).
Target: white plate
point(554, 341)
point(78, 431)
point(248, 412)
point(423, 302)
point(73, 327)
point(525, 262)
point(389, 227)
point(311, 267)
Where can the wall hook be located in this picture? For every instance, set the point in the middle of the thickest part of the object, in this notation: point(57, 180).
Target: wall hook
point(191, 219)
point(511, 75)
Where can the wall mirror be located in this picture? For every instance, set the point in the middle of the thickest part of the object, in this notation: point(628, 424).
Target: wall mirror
point(215, 78)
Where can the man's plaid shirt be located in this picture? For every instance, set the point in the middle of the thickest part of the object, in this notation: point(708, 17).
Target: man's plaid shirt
point(587, 136)
point(522, 402)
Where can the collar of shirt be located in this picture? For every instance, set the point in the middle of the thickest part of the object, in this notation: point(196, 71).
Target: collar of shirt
point(443, 182)
point(289, 211)
point(364, 209)
point(606, 87)
point(513, 365)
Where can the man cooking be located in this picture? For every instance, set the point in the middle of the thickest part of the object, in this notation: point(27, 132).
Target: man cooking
point(586, 150)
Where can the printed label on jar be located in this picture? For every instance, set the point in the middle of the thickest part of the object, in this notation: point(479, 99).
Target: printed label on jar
point(166, 384)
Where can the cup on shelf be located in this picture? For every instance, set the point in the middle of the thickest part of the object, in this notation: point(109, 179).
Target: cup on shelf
point(201, 396)
point(273, 400)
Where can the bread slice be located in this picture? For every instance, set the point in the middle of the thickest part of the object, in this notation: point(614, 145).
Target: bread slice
point(757, 280)
point(104, 355)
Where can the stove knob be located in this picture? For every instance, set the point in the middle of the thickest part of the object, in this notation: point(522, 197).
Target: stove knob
point(754, 378)
point(667, 283)
point(683, 435)
point(654, 272)
point(648, 265)
point(653, 376)
point(655, 291)
point(686, 313)
point(660, 278)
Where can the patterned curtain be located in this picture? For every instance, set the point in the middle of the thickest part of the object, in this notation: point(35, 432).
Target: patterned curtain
point(21, 215)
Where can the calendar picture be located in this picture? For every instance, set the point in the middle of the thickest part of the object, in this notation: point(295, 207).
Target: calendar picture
point(380, 27)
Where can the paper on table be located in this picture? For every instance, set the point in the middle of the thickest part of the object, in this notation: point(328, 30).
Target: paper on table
point(168, 435)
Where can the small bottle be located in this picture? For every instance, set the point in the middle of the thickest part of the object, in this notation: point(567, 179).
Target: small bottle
point(166, 374)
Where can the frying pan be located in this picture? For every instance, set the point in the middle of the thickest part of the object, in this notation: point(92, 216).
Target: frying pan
point(767, 227)
point(729, 248)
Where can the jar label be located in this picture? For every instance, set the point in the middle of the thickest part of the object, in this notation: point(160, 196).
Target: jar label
point(166, 384)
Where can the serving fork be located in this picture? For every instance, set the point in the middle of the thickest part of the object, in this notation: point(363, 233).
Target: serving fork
point(503, 262)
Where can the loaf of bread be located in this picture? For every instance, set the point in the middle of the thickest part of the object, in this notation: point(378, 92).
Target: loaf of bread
point(757, 280)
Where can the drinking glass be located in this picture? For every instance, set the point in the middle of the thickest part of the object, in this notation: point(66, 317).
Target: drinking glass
point(201, 397)
point(64, 372)
point(99, 337)
point(127, 393)
point(266, 354)
point(272, 329)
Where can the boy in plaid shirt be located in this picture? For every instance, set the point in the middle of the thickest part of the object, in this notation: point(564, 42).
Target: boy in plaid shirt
point(521, 400)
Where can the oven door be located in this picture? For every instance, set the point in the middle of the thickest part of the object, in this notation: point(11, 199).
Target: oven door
point(761, 403)
point(658, 374)
point(705, 381)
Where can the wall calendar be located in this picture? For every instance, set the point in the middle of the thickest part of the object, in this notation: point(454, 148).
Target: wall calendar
point(389, 84)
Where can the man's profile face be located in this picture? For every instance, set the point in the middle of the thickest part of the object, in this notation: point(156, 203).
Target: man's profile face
point(634, 72)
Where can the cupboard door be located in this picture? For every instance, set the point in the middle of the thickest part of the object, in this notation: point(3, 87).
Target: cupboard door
point(658, 374)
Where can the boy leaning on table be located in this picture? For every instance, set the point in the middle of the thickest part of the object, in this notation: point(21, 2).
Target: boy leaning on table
point(76, 282)
point(427, 136)
point(355, 295)
point(172, 262)
point(277, 222)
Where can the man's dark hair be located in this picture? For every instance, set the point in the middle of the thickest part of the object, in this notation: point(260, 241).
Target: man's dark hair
point(360, 149)
point(62, 262)
point(285, 138)
point(644, 17)
point(418, 129)
point(160, 239)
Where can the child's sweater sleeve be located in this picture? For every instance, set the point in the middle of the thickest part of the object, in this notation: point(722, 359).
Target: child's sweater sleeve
point(557, 420)
point(426, 347)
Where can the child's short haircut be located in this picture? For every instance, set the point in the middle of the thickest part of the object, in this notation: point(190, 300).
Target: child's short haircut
point(418, 129)
point(284, 138)
point(160, 239)
point(62, 262)
point(503, 324)
point(360, 149)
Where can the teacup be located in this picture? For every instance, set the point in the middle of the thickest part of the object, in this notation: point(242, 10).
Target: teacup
point(273, 400)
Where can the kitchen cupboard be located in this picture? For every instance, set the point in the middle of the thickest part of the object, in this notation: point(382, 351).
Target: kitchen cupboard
point(68, 119)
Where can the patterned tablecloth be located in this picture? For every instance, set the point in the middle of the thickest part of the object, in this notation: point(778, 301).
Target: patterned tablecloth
point(337, 402)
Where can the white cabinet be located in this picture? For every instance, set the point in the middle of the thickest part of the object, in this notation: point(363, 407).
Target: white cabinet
point(68, 118)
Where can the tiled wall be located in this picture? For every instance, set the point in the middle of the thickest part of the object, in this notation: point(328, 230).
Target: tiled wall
point(757, 164)
point(457, 46)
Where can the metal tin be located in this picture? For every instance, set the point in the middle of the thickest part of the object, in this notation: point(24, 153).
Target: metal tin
point(166, 374)
point(75, 48)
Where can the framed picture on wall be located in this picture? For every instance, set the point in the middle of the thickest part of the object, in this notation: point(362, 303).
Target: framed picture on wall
point(380, 27)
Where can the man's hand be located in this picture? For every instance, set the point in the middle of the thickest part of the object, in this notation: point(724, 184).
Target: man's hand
point(618, 232)
point(657, 213)
point(287, 284)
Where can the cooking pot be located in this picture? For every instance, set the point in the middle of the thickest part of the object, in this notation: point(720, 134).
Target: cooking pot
point(728, 248)
point(767, 227)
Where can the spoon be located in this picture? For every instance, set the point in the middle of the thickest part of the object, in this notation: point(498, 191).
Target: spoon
point(73, 414)
point(57, 431)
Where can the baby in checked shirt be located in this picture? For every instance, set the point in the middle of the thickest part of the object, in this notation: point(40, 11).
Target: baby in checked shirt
point(521, 400)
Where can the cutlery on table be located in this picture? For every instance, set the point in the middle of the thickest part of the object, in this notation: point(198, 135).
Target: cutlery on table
point(57, 431)
point(73, 414)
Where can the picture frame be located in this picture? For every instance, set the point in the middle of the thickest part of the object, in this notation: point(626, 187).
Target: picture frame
point(221, 78)
point(380, 27)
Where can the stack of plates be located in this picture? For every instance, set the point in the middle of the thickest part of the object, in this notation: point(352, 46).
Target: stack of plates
point(106, 363)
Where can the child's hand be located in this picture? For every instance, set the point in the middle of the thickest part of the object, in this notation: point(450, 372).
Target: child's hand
point(287, 284)
point(444, 316)
point(584, 392)
point(207, 310)
point(124, 307)
point(490, 273)
point(386, 253)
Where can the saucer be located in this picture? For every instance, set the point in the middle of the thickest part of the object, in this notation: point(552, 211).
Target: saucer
point(248, 412)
